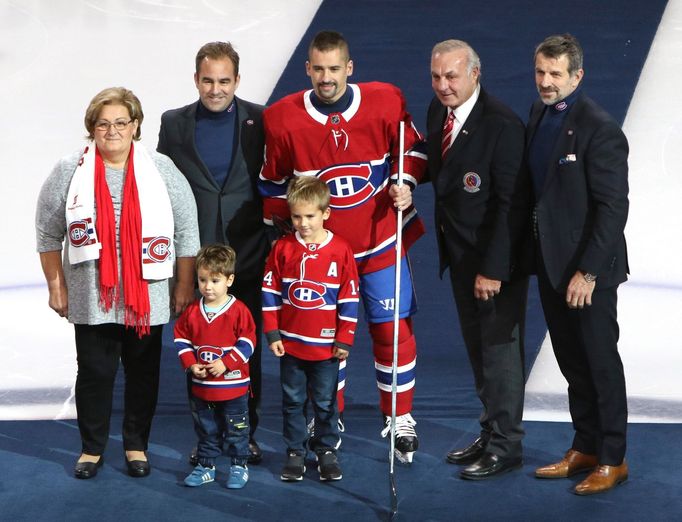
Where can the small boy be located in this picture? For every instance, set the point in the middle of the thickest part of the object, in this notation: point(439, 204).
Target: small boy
point(215, 337)
point(310, 310)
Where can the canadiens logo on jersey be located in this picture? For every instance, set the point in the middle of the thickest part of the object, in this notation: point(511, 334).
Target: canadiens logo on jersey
point(307, 295)
point(351, 185)
point(82, 233)
point(208, 354)
point(155, 249)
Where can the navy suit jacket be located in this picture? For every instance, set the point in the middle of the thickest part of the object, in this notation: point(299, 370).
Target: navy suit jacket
point(481, 186)
point(232, 214)
point(583, 208)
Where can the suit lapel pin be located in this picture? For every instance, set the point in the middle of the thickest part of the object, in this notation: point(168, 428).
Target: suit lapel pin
point(249, 122)
point(570, 132)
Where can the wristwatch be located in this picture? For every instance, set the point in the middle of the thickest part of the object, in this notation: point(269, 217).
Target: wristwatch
point(589, 278)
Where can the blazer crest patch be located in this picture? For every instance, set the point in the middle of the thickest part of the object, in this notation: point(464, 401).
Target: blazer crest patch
point(471, 182)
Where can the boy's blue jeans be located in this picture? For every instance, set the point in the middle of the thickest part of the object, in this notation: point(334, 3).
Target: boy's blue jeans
point(316, 381)
point(218, 423)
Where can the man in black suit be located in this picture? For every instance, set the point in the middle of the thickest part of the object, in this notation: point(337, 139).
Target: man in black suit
point(217, 143)
point(578, 160)
point(476, 165)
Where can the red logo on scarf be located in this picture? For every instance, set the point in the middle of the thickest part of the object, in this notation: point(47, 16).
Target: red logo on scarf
point(155, 249)
point(79, 233)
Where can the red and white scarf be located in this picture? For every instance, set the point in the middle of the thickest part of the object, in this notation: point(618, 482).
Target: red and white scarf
point(145, 232)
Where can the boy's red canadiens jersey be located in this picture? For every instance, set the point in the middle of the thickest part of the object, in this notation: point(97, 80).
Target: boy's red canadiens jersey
point(355, 152)
point(310, 295)
point(203, 337)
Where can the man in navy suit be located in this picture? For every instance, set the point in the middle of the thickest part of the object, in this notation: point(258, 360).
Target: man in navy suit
point(476, 165)
point(217, 143)
point(578, 160)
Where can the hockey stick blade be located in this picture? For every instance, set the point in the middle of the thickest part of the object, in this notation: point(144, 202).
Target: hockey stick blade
point(394, 496)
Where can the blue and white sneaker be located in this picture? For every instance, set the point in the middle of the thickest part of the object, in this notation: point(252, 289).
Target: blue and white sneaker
point(239, 476)
point(200, 475)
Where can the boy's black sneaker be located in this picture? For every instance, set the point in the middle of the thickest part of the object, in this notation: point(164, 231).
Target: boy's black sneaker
point(328, 465)
point(294, 468)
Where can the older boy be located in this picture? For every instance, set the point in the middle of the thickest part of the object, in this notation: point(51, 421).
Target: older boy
point(310, 308)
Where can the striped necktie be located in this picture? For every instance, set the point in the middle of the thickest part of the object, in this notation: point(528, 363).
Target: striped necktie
point(448, 128)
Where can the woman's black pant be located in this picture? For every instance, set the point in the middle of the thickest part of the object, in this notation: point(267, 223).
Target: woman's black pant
point(99, 349)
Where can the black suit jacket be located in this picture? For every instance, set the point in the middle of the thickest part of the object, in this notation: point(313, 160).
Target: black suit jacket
point(232, 214)
point(481, 186)
point(583, 207)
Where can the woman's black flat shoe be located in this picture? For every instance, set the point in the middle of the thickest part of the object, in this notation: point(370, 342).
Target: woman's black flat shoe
point(87, 470)
point(138, 468)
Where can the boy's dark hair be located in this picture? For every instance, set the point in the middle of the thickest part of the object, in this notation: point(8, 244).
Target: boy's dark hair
point(308, 189)
point(217, 259)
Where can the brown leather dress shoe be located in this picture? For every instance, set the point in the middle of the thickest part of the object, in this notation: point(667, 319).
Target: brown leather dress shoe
point(602, 479)
point(572, 463)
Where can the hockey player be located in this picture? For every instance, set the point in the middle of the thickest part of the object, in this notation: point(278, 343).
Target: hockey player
point(215, 337)
point(310, 310)
point(347, 135)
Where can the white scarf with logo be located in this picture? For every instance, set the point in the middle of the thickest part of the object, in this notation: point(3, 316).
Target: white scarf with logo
point(157, 251)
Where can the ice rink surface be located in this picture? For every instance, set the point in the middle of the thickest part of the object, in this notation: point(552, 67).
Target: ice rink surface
point(56, 54)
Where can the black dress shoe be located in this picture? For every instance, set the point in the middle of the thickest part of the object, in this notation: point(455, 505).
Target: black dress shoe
point(87, 470)
point(490, 465)
point(256, 454)
point(138, 468)
point(469, 454)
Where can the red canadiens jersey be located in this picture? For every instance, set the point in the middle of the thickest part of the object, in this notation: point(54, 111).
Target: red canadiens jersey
point(355, 153)
point(229, 334)
point(310, 295)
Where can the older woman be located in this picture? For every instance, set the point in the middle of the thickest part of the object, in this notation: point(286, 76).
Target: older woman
point(130, 223)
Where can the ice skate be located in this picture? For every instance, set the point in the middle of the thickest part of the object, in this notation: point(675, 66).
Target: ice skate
point(406, 442)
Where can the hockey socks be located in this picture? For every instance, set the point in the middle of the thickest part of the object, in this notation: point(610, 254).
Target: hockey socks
point(382, 337)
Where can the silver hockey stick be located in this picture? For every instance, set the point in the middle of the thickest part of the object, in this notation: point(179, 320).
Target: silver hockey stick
point(396, 325)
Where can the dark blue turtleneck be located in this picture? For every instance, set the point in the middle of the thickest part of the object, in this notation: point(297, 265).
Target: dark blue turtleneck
point(545, 138)
point(215, 139)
